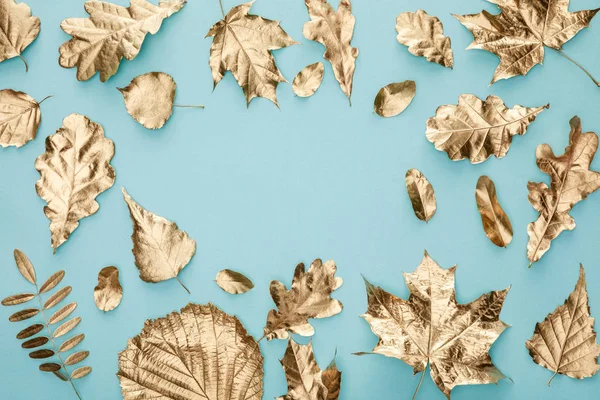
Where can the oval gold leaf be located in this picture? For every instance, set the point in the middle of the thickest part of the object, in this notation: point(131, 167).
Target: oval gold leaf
point(233, 282)
point(30, 331)
point(108, 293)
point(51, 282)
point(66, 327)
point(77, 357)
point(308, 80)
point(60, 376)
point(80, 372)
point(50, 367)
point(23, 314)
point(392, 99)
point(16, 299)
point(19, 29)
point(44, 353)
point(62, 313)
point(57, 297)
point(25, 266)
point(70, 343)
point(495, 222)
point(421, 194)
point(35, 342)
point(20, 117)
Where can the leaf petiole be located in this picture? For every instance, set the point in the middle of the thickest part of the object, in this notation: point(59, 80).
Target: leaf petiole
point(562, 53)
point(45, 98)
point(222, 10)
point(181, 283)
point(25, 62)
point(188, 106)
point(419, 385)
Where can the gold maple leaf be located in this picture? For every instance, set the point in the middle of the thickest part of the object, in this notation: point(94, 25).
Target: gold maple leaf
point(432, 329)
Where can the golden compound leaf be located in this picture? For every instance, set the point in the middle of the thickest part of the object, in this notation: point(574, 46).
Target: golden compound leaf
point(496, 224)
point(233, 282)
point(308, 80)
point(108, 293)
point(18, 29)
point(20, 117)
point(149, 98)
point(421, 195)
point(392, 99)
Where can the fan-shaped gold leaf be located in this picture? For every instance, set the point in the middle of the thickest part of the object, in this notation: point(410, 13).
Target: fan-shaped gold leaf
point(18, 29)
point(51, 282)
point(108, 293)
point(421, 194)
point(57, 297)
point(233, 282)
point(308, 80)
point(16, 299)
point(496, 225)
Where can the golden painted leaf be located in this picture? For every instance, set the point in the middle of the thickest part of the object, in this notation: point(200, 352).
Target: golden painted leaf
point(51, 282)
point(111, 33)
point(39, 354)
point(496, 225)
point(233, 282)
point(81, 372)
point(71, 343)
point(25, 266)
point(519, 33)
point(424, 36)
point(62, 313)
point(565, 342)
point(421, 194)
point(334, 30)
point(305, 379)
point(24, 314)
point(432, 329)
point(108, 293)
point(35, 342)
point(66, 327)
point(57, 297)
point(50, 367)
point(30, 331)
point(74, 170)
point(309, 297)
point(477, 129)
point(160, 248)
point(77, 357)
point(392, 99)
point(18, 29)
point(571, 181)
point(308, 80)
point(197, 353)
point(17, 299)
point(20, 117)
point(243, 44)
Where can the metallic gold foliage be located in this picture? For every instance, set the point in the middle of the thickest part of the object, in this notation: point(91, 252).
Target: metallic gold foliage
point(565, 342)
point(424, 36)
point(308, 80)
point(477, 129)
point(421, 194)
point(25, 266)
point(74, 170)
point(392, 99)
point(108, 293)
point(160, 248)
point(197, 353)
point(571, 181)
point(20, 117)
point(110, 34)
point(233, 282)
point(334, 30)
point(309, 297)
point(18, 29)
point(496, 224)
point(242, 43)
point(432, 329)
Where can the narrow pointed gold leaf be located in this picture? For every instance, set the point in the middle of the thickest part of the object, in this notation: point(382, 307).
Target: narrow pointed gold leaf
point(57, 297)
point(233, 282)
point(43, 353)
point(51, 282)
point(66, 327)
point(62, 313)
point(25, 266)
point(20, 117)
point(421, 194)
point(35, 342)
point(392, 99)
point(30, 331)
point(50, 367)
point(71, 343)
point(18, 29)
point(108, 293)
point(81, 372)
point(77, 357)
point(149, 98)
point(24, 314)
point(308, 80)
point(17, 299)
point(496, 225)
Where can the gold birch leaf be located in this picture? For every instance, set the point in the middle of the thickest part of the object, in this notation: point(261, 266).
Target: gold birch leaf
point(20, 117)
point(108, 293)
point(477, 129)
point(74, 170)
point(305, 379)
point(197, 353)
point(565, 342)
point(18, 29)
point(233, 282)
point(571, 181)
point(424, 36)
point(160, 248)
point(25, 266)
point(496, 225)
point(111, 33)
point(243, 44)
point(421, 195)
point(432, 329)
point(392, 99)
point(308, 80)
point(309, 297)
point(334, 30)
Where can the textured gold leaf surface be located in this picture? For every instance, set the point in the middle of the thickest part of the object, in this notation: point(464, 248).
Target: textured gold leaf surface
point(233, 282)
point(309, 297)
point(571, 181)
point(110, 34)
point(496, 225)
point(424, 36)
point(392, 99)
point(24, 266)
point(74, 170)
point(308, 80)
point(149, 98)
point(108, 293)
point(334, 30)
point(421, 194)
point(18, 29)
point(197, 353)
point(432, 329)
point(565, 342)
point(477, 129)
point(20, 117)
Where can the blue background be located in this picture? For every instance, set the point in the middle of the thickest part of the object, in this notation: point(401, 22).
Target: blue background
point(261, 189)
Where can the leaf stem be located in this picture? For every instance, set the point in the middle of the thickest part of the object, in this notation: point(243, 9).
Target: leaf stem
point(188, 106)
point(552, 378)
point(419, 385)
point(45, 98)
point(562, 53)
point(222, 10)
point(25, 62)
point(181, 283)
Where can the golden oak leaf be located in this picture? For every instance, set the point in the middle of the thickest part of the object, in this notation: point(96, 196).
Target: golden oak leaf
point(432, 329)
point(309, 297)
point(18, 29)
point(496, 225)
point(421, 194)
point(565, 342)
point(109, 293)
point(571, 181)
point(242, 44)
point(197, 353)
point(111, 32)
point(20, 118)
point(74, 170)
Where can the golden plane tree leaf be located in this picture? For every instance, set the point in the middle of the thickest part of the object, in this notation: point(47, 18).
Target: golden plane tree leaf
point(571, 181)
point(111, 33)
point(421, 195)
point(520, 32)
point(432, 329)
point(160, 248)
point(565, 342)
point(233, 282)
point(305, 379)
point(308, 80)
point(478, 129)
point(108, 293)
point(74, 170)
point(496, 225)
point(309, 297)
point(20, 118)
point(243, 44)
point(392, 99)
point(334, 30)
point(197, 353)
point(18, 29)
point(424, 36)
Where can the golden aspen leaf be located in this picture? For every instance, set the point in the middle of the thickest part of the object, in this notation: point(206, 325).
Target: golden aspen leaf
point(24, 266)
point(20, 117)
point(421, 195)
point(496, 225)
point(308, 80)
point(108, 293)
point(18, 29)
point(392, 99)
point(233, 282)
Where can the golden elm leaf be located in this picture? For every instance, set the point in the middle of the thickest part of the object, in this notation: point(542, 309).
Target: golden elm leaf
point(233, 282)
point(24, 265)
point(74, 170)
point(496, 225)
point(565, 342)
point(160, 248)
point(71, 343)
point(432, 329)
point(81, 372)
point(309, 297)
point(334, 30)
point(51, 282)
point(392, 99)
point(421, 195)
point(197, 353)
point(424, 36)
point(308, 80)
point(18, 29)
point(62, 313)
point(111, 33)
point(57, 297)
point(17, 299)
point(108, 293)
point(20, 117)
point(477, 129)
point(571, 181)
